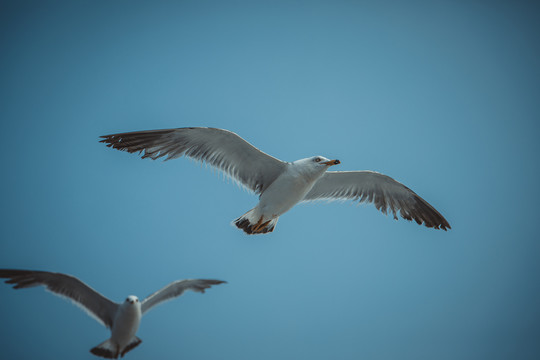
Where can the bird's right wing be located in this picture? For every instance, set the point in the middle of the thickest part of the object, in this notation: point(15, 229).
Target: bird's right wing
point(220, 148)
point(381, 190)
point(176, 289)
point(95, 304)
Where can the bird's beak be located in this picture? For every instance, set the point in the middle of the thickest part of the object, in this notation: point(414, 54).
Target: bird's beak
point(331, 162)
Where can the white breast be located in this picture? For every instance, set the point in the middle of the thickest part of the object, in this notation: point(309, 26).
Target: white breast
point(126, 323)
point(286, 191)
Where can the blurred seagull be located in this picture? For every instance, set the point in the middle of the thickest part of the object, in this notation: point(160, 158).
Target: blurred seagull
point(280, 185)
point(123, 319)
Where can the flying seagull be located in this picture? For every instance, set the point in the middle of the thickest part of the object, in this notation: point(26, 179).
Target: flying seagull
point(279, 184)
point(123, 319)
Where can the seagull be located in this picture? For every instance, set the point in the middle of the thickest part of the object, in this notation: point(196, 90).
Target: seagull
point(123, 319)
point(279, 184)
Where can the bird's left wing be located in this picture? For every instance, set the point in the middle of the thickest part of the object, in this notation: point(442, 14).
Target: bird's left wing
point(176, 289)
point(220, 148)
point(381, 190)
point(95, 304)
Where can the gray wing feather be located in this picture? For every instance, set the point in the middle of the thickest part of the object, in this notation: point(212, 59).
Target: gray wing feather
point(176, 289)
point(95, 304)
point(381, 190)
point(223, 149)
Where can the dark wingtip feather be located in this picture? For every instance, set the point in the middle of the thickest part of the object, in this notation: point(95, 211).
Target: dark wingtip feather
point(104, 353)
point(21, 278)
point(214, 281)
point(131, 346)
point(424, 212)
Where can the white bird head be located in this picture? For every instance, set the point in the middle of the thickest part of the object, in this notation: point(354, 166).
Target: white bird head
point(316, 163)
point(132, 299)
point(314, 166)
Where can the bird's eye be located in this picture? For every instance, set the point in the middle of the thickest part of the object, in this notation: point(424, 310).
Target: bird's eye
point(127, 299)
point(136, 300)
point(317, 159)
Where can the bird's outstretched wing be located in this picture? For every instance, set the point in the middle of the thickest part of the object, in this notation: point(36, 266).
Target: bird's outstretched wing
point(381, 190)
point(223, 149)
point(95, 304)
point(176, 289)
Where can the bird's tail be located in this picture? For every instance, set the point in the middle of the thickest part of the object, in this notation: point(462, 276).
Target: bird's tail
point(251, 224)
point(110, 350)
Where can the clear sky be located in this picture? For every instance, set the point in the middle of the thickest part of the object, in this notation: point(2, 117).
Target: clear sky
point(441, 95)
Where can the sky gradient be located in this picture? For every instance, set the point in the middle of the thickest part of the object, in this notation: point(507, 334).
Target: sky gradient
point(441, 95)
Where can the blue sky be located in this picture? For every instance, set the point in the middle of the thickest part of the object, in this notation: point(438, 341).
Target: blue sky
point(441, 95)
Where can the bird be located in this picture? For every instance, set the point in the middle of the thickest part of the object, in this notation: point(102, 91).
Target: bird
point(122, 319)
point(279, 184)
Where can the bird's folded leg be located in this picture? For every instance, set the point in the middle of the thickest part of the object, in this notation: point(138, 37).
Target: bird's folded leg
point(257, 226)
point(260, 225)
point(263, 226)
